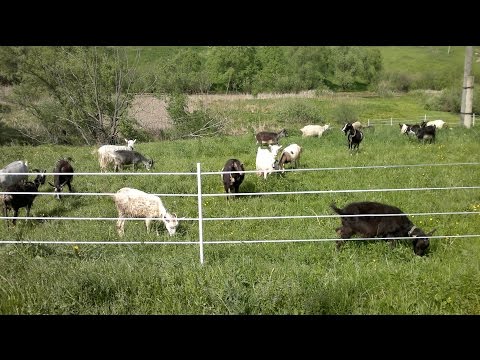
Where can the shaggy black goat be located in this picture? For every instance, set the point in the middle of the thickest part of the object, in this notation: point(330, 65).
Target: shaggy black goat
point(17, 201)
point(60, 180)
point(232, 181)
point(379, 226)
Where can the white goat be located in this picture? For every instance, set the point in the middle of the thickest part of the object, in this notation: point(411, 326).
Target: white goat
point(357, 125)
point(438, 124)
point(265, 162)
point(14, 167)
point(291, 154)
point(138, 204)
point(105, 152)
point(314, 130)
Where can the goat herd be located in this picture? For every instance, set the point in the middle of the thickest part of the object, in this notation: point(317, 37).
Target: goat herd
point(138, 204)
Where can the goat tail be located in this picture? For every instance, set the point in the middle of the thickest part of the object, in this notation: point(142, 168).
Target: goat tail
point(336, 209)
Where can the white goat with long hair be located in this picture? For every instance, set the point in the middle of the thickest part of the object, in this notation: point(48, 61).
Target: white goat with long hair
point(138, 204)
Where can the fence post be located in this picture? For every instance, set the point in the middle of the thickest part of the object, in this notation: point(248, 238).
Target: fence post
point(391, 121)
point(200, 218)
point(368, 122)
point(473, 119)
point(425, 117)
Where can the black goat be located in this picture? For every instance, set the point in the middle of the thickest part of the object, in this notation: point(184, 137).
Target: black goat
point(17, 201)
point(60, 180)
point(270, 138)
point(426, 133)
point(354, 136)
point(232, 181)
point(379, 226)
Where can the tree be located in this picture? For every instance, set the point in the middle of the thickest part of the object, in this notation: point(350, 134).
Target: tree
point(79, 94)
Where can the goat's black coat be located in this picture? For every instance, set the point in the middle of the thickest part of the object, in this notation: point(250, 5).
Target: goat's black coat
point(379, 226)
point(18, 201)
point(232, 181)
point(59, 181)
point(354, 136)
point(426, 133)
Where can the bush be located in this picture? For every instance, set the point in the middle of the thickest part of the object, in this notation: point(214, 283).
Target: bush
point(344, 113)
point(298, 111)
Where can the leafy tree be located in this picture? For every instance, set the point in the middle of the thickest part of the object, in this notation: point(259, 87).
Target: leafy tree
point(232, 68)
point(79, 94)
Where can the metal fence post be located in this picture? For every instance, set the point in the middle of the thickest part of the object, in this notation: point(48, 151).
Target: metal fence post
point(200, 218)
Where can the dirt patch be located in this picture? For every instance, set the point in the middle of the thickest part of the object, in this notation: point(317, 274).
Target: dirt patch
point(151, 114)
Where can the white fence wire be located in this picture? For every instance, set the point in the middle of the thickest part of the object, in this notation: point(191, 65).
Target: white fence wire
point(200, 195)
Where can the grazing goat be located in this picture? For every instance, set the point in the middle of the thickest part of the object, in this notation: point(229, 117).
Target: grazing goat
point(354, 136)
point(105, 152)
point(130, 157)
point(17, 201)
point(60, 179)
point(270, 138)
point(138, 204)
point(426, 133)
point(6, 179)
point(439, 124)
point(379, 226)
point(232, 180)
point(265, 161)
point(291, 154)
point(314, 130)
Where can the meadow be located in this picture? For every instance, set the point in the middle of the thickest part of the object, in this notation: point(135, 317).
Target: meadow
point(307, 277)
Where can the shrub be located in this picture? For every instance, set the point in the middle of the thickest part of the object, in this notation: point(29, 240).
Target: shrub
point(344, 113)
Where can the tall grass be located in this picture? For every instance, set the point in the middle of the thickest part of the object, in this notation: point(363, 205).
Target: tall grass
point(251, 278)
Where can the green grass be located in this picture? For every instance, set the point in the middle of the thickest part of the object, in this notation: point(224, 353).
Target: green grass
point(267, 278)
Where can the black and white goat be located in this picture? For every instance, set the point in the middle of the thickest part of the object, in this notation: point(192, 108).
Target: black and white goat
point(379, 226)
point(17, 201)
point(60, 179)
point(354, 136)
point(234, 176)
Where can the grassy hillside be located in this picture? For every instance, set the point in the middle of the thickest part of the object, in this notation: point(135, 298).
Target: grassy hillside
point(248, 278)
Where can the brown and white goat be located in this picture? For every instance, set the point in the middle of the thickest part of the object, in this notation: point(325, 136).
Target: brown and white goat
point(371, 226)
point(17, 201)
point(291, 154)
point(134, 203)
point(270, 138)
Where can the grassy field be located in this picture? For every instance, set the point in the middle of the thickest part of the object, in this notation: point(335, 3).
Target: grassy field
point(252, 278)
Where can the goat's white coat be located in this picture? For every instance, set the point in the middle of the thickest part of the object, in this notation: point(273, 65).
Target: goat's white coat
point(438, 123)
point(105, 152)
point(265, 161)
point(14, 167)
point(138, 204)
point(314, 130)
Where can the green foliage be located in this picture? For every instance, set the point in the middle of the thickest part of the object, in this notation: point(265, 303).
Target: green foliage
point(344, 113)
point(78, 91)
point(197, 123)
point(299, 112)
